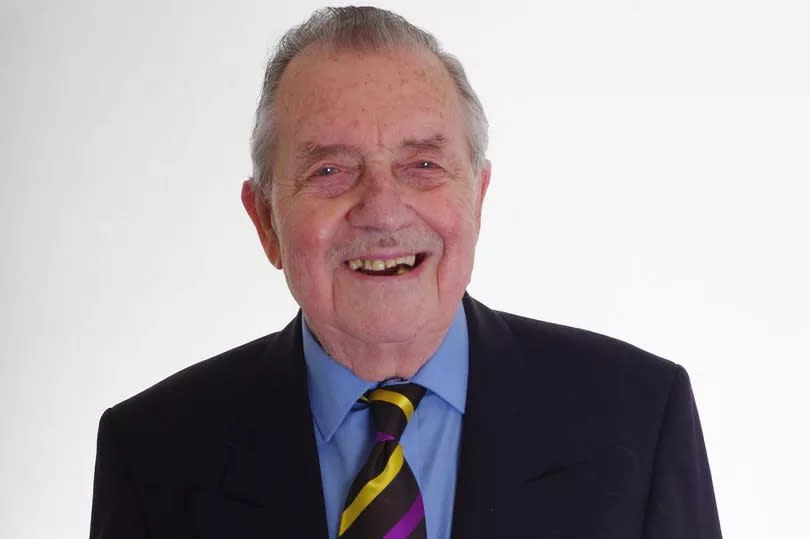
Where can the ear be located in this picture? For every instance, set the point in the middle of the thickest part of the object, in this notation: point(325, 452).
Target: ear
point(260, 212)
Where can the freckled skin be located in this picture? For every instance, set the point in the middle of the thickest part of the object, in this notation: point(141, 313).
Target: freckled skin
point(382, 194)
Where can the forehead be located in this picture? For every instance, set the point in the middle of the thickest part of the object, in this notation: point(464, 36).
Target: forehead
point(340, 96)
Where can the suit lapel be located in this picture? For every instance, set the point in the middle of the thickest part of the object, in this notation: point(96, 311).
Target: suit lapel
point(510, 436)
point(492, 421)
point(271, 485)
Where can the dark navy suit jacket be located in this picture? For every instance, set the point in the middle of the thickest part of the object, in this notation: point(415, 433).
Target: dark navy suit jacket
point(566, 434)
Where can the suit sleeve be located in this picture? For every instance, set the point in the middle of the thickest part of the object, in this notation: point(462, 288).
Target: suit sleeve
point(681, 503)
point(117, 512)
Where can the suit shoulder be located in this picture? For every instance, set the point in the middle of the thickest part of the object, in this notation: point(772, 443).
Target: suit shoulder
point(617, 388)
point(199, 387)
point(584, 349)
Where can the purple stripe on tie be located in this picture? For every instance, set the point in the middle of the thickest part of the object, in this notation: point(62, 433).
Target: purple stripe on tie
point(383, 437)
point(408, 522)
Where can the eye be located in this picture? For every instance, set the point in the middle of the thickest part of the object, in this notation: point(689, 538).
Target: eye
point(426, 165)
point(325, 171)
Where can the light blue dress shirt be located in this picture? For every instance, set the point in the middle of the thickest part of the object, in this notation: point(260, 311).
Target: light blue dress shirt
point(344, 430)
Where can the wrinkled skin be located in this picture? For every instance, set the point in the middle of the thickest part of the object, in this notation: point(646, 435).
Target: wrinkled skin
point(371, 161)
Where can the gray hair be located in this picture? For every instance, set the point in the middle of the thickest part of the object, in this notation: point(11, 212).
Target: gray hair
point(362, 29)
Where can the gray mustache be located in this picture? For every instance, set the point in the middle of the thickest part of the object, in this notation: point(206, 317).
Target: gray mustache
point(410, 243)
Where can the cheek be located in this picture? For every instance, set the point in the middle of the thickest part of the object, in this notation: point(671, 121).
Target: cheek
point(301, 248)
point(309, 234)
point(455, 222)
point(453, 218)
point(305, 268)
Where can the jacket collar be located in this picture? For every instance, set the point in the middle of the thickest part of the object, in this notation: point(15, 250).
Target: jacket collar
point(488, 472)
point(271, 483)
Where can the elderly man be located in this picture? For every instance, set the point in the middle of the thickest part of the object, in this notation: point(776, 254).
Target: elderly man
point(395, 405)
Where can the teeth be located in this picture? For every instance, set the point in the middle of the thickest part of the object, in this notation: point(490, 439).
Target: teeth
point(380, 265)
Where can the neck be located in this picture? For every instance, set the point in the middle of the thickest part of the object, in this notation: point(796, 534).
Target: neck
point(378, 361)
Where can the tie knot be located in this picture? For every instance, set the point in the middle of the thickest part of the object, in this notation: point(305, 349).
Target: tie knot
point(392, 408)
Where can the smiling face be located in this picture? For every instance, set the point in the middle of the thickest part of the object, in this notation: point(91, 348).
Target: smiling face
point(375, 209)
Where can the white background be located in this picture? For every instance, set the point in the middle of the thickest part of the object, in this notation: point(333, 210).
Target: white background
point(650, 182)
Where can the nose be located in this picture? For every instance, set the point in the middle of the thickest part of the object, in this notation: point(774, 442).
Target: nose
point(380, 205)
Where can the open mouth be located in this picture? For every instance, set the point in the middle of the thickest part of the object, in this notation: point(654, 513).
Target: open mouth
point(388, 266)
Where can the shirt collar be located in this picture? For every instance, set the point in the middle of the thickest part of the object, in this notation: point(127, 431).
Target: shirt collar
point(334, 389)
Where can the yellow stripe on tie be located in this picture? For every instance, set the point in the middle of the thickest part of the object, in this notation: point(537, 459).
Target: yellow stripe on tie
point(397, 399)
point(371, 490)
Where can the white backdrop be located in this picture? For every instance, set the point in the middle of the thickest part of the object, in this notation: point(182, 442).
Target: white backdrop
point(650, 182)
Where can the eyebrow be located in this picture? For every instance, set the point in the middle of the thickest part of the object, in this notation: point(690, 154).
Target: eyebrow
point(436, 142)
point(310, 152)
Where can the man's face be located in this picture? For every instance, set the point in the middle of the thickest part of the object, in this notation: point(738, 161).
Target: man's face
point(371, 168)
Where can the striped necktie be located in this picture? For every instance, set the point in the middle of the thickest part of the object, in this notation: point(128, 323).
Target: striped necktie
point(384, 500)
